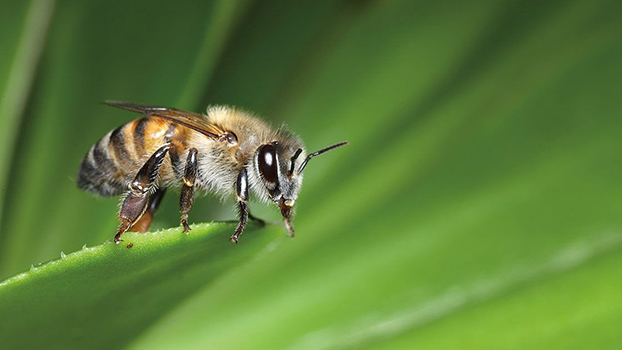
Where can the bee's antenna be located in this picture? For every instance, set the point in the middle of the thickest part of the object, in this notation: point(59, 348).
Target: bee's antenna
point(314, 154)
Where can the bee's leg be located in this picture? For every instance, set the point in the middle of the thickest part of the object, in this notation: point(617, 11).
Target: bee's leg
point(187, 191)
point(143, 224)
point(243, 208)
point(286, 211)
point(137, 198)
point(241, 188)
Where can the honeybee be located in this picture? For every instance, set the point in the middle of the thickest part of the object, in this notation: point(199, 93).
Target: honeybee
point(225, 151)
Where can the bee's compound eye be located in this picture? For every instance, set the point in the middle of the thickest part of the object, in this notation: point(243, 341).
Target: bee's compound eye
point(267, 163)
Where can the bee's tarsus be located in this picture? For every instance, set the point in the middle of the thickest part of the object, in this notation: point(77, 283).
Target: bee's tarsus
point(290, 228)
point(184, 223)
point(243, 207)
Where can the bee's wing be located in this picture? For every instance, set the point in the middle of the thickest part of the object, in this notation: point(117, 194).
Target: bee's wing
point(194, 121)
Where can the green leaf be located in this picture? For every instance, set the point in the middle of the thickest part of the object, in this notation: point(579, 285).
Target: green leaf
point(17, 71)
point(102, 296)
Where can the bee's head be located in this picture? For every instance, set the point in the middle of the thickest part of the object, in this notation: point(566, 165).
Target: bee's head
point(278, 167)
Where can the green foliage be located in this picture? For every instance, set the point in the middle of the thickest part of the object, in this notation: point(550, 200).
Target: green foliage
point(477, 205)
point(104, 296)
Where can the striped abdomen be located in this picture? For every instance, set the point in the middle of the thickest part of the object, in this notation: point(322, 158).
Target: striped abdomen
point(116, 158)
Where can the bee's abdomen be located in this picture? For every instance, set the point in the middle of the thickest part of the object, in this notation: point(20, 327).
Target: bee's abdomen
point(97, 172)
point(107, 166)
point(116, 158)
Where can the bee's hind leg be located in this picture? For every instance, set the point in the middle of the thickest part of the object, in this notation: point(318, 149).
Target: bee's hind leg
point(137, 199)
point(143, 224)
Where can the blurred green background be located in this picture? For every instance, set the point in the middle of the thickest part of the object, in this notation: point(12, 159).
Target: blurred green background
point(477, 206)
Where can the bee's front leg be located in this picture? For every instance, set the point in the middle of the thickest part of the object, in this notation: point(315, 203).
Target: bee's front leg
point(241, 189)
point(186, 199)
point(137, 198)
